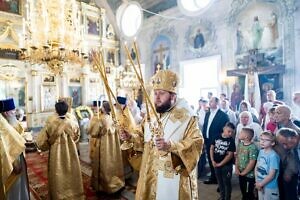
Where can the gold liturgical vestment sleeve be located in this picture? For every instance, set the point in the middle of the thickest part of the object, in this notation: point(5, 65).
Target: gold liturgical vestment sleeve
point(12, 145)
point(64, 174)
point(107, 164)
point(184, 153)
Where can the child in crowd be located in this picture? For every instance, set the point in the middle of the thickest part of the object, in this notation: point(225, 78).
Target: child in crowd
point(245, 163)
point(221, 152)
point(271, 125)
point(267, 168)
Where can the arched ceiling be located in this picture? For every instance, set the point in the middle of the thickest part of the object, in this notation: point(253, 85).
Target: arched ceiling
point(111, 7)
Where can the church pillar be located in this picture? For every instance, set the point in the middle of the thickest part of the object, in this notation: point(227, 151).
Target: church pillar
point(32, 97)
point(36, 98)
point(63, 86)
point(103, 23)
point(85, 85)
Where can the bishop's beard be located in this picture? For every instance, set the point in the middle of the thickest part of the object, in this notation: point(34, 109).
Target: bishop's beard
point(164, 107)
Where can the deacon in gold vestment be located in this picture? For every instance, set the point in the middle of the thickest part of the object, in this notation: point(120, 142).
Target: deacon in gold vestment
point(168, 168)
point(107, 165)
point(59, 136)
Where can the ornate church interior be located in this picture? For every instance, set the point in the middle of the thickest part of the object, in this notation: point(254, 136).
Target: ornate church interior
point(87, 52)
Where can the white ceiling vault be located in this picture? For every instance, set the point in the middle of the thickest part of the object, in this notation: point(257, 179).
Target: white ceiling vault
point(155, 6)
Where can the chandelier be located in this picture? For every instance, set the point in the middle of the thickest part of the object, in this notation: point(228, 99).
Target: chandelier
point(52, 34)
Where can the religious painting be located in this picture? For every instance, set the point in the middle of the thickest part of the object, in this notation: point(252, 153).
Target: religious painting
point(271, 82)
point(200, 39)
point(91, 21)
point(10, 6)
point(110, 57)
point(74, 80)
point(266, 82)
point(93, 26)
point(75, 93)
point(21, 97)
point(49, 95)
point(49, 79)
point(161, 53)
point(258, 27)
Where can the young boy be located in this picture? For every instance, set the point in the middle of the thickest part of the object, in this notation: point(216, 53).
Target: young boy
point(221, 153)
point(267, 168)
point(245, 163)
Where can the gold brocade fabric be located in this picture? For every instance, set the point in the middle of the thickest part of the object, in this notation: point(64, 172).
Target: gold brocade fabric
point(19, 128)
point(107, 165)
point(59, 137)
point(186, 152)
point(126, 119)
point(12, 145)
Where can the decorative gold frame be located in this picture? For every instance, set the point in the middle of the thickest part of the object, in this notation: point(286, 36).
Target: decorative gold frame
point(91, 13)
point(48, 99)
point(20, 13)
point(75, 80)
point(49, 79)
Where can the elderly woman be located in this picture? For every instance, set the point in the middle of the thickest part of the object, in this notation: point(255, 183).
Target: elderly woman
point(246, 121)
point(245, 106)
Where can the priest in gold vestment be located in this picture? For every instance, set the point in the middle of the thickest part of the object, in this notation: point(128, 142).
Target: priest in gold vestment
point(59, 136)
point(107, 164)
point(168, 168)
point(14, 179)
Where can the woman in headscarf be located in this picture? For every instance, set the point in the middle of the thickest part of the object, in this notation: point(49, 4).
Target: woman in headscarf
point(246, 121)
point(245, 106)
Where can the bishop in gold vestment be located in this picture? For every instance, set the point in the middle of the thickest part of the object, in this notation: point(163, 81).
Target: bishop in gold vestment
point(107, 164)
point(59, 136)
point(168, 168)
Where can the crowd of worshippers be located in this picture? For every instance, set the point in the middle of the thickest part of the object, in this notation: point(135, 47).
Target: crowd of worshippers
point(260, 147)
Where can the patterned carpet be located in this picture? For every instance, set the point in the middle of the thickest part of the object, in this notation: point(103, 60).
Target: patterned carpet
point(38, 181)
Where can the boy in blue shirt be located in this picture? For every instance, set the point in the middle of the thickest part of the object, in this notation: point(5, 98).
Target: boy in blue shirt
point(267, 168)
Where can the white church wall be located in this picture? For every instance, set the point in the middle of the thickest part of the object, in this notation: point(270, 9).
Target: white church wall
point(219, 24)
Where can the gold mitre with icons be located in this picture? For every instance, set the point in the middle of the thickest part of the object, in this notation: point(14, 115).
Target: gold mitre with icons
point(165, 80)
